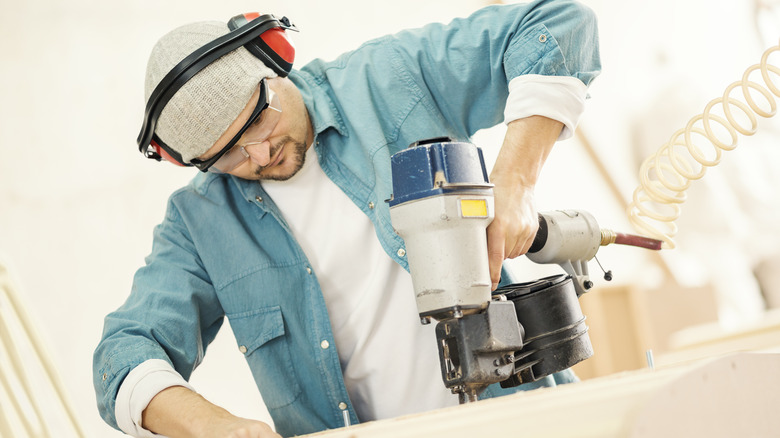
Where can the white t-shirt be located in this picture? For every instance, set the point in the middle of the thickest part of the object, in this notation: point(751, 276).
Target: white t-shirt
point(390, 361)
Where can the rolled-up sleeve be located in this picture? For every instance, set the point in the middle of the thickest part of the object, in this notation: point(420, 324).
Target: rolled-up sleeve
point(172, 314)
point(467, 66)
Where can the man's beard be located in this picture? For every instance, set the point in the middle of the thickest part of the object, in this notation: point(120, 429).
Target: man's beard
point(298, 157)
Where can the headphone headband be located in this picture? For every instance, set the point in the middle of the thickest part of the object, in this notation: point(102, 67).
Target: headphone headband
point(245, 35)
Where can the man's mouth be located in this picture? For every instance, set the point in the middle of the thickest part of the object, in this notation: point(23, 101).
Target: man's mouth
point(277, 159)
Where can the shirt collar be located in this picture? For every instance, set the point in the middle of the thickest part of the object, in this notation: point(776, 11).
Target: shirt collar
point(322, 109)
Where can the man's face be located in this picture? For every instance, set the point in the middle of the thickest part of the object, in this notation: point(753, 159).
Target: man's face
point(281, 155)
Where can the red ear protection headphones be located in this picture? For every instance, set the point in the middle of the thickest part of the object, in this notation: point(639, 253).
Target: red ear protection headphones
point(263, 35)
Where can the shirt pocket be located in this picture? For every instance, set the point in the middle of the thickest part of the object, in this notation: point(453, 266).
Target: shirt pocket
point(261, 338)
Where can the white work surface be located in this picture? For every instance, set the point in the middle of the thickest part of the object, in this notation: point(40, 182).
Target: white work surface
point(729, 396)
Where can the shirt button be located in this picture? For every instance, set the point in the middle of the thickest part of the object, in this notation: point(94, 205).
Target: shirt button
point(308, 270)
point(342, 406)
point(325, 344)
point(259, 198)
point(401, 252)
point(371, 205)
point(542, 38)
point(242, 349)
point(105, 376)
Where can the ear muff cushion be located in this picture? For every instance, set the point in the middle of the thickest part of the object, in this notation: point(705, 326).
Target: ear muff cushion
point(167, 154)
point(277, 41)
point(273, 47)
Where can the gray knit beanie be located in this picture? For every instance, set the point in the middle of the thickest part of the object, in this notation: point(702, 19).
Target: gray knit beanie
point(202, 110)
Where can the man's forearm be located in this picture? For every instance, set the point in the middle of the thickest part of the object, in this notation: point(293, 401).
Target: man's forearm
point(527, 143)
point(178, 412)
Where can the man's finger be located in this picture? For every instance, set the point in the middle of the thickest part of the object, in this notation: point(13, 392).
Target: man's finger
point(523, 243)
point(495, 241)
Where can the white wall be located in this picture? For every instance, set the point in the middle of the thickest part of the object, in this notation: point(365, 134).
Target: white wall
point(78, 202)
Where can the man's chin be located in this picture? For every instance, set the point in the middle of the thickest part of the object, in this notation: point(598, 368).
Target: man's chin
point(278, 174)
point(285, 169)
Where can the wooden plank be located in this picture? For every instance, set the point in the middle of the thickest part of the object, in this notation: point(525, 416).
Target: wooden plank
point(626, 321)
point(725, 397)
point(709, 340)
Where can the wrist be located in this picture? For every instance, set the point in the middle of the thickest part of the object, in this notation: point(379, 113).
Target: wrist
point(526, 145)
point(178, 411)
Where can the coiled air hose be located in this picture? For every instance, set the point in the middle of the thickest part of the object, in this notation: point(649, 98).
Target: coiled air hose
point(666, 175)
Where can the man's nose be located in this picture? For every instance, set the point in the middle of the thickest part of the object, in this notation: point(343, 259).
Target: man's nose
point(259, 153)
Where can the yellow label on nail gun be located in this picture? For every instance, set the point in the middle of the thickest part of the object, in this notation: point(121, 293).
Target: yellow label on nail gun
point(473, 208)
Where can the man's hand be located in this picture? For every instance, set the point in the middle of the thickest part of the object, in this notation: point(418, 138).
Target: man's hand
point(239, 428)
point(178, 412)
point(527, 143)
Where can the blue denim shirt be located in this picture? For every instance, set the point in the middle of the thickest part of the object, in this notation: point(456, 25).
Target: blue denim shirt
point(224, 249)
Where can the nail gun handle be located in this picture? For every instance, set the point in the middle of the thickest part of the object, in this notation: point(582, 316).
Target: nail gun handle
point(541, 236)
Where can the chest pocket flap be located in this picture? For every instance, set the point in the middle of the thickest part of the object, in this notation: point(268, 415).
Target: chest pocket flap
point(254, 328)
point(260, 337)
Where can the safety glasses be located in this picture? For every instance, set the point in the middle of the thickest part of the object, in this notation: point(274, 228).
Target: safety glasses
point(257, 129)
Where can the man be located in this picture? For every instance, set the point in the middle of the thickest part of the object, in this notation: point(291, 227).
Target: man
point(305, 263)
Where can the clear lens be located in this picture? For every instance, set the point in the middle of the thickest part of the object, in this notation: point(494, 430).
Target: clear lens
point(259, 132)
point(232, 159)
point(264, 125)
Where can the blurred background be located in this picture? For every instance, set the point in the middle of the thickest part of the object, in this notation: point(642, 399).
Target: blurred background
point(78, 202)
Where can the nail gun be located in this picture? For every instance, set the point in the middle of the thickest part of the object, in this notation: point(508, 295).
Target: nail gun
point(441, 205)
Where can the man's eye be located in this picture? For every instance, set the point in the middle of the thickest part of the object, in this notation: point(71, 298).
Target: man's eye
point(257, 122)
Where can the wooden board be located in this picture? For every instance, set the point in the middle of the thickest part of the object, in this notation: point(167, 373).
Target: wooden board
point(626, 321)
point(725, 397)
point(708, 340)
